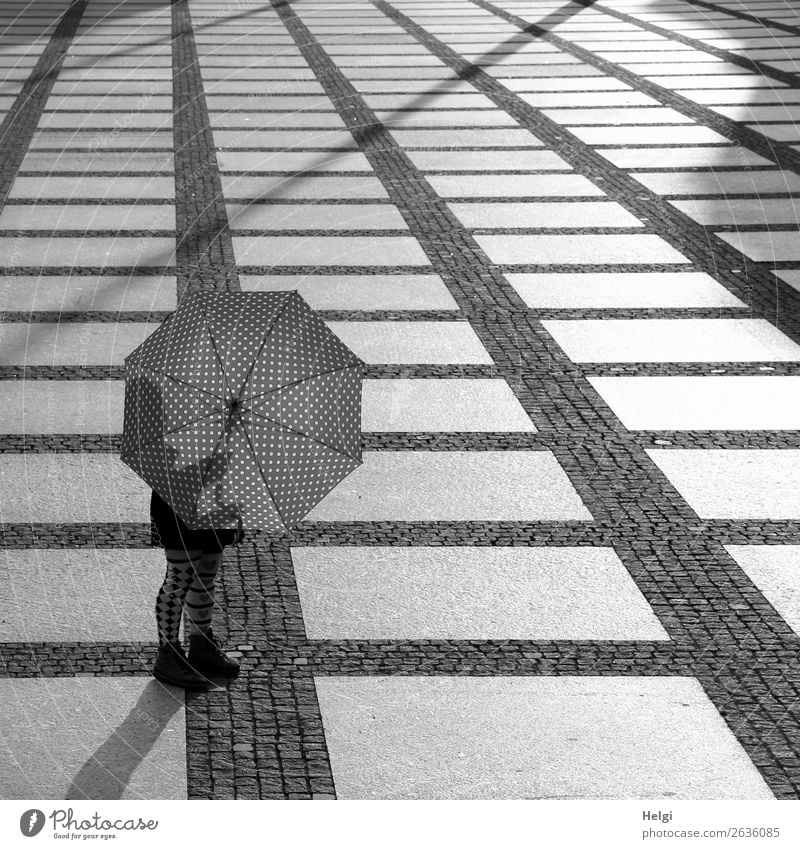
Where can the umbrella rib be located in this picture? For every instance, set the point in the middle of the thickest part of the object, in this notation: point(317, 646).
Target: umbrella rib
point(304, 435)
point(163, 433)
point(296, 382)
point(263, 476)
point(214, 347)
point(266, 335)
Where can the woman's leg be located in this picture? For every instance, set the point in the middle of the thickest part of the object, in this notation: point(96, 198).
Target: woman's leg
point(200, 598)
point(181, 565)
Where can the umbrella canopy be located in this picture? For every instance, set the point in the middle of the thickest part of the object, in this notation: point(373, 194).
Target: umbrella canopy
point(242, 408)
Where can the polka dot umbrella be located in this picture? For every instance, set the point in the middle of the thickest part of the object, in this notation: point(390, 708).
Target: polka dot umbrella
point(242, 409)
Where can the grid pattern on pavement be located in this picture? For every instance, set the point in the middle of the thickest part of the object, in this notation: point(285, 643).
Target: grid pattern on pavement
point(573, 272)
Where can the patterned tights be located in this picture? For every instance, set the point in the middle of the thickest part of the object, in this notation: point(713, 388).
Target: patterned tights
point(189, 581)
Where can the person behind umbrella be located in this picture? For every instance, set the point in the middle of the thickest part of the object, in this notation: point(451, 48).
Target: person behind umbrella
point(193, 559)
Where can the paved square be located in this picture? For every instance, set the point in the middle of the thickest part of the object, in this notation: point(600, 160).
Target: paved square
point(68, 293)
point(735, 483)
point(80, 594)
point(413, 486)
point(60, 406)
point(446, 404)
point(468, 593)
point(443, 737)
point(672, 340)
point(120, 737)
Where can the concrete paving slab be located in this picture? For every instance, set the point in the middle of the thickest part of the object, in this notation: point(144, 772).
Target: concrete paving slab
point(444, 342)
point(550, 214)
point(713, 156)
point(766, 245)
point(717, 402)
point(80, 594)
point(679, 340)
point(106, 120)
point(470, 593)
point(62, 487)
point(140, 140)
point(360, 292)
point(70, 343)
point(618, 290)
point(61, 406)
point(430, 99)
point(792, 277)
point(673, 134)
point(93, 159)
point(79, 251)
point(578, 249)
point(779, 132)
point(624, 116)
point(775, 570)
point(120, 737)
point(69, 188)
point(329, 250)
point(420, 486)
point(283, 139)
point(22, 293)
point(737, 483)
point(275, 120)
point(571, 84)
point(741, 211)
point(465, 138)
point(454, 405)
point(301, 186)
point(474, 737)
point(446, 118)
point(721, 182)
point(482, 160)
point(292, 161)
point(76, 216)
point(516, 185)
point(242, 216)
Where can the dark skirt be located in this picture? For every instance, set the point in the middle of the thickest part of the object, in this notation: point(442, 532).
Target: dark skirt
point(168, 529)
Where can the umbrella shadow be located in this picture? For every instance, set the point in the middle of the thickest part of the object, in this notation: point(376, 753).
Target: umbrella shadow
point(149, 419)
point(107, 772)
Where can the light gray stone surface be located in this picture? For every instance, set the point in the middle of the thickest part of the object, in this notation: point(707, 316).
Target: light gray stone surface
point(716, 402)
point(242, 216)
point(474, 737)
point(70, 188)
point(55, 487)
point(470, 593)
point(615, 289)
point(679, 340)
point(447, 404)
point(766, 246)
point(359, 291)
point(78, 251)
point(518, 185)
point(412, 341)
point(58, 292)
point(453, 486)
point(61, 406)
point(544, 249)
point(76, 216)
point(70, 343)
point(329, 250)
point(735, 483)
point(80, 594)
point(555, 214)
point(275, 188)
point(120, 737)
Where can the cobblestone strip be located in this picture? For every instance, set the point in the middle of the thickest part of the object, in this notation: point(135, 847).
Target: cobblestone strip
point(259, 736)
point(204, 250)
point(20, 123)
point(736, 132)
point(699, 593)
point(762, 68)
point(744, 16)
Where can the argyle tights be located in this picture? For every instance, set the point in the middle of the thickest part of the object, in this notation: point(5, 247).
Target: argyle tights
point(189, 583)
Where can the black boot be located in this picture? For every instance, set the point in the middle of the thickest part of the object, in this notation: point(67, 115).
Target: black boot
point(206, 655)
point(173, 667)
